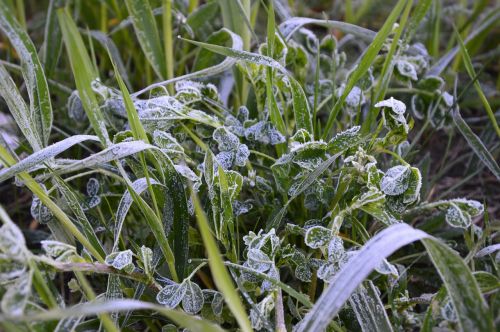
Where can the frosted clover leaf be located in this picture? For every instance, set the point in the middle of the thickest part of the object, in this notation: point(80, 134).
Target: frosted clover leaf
point(317, 237)
point(265, 133)
point(121, 260)
point(231, 151)
point(60, 251)
point(171, 295)
point(397, 106)
point(395, 181)
point(40, 212)
point(192, 302)
point(397, 114)
point(406, 69)
point(262, 312)
point(387, 268)
point(93, 187)
point(258, 260)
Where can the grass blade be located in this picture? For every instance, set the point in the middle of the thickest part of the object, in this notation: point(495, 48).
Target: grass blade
point(44, 155)
point(192, 323)
point(220, 273)
point(146, 30)
point(83, 72)
point(368, 307)
point(292, 25)
point(18, 108)
point(40, 112)
point(475, 143)
point(472, 73)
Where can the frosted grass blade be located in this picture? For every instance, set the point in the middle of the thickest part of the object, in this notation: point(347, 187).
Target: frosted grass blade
point(146, 31)
point(40, 111)
point(44, 155)
point(83, 72)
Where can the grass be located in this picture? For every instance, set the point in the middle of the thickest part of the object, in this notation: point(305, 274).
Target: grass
point(249, 165)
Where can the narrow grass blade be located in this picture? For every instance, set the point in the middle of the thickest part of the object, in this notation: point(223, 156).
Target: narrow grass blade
point(220, 273)
point(461, 285)
point(292, 25)
point(365, 63)
point(108, 43)
point(44, 155)
point(193, 323)
point(40, 114)
point(443, 62)
point(472, 73)
point(301, 109)
point(52, 45)
point(475, 143)
point(369, 309)
point(147, 33)
point(83, 72)
point(18, 108)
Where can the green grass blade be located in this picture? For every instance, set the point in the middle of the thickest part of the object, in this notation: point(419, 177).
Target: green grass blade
point(365, 63)
point(18, 108)
point(83, 72)
point(472, 73)
point(459, 281)
point(52, 45)
point(40, 111)
point(292, 25)
point(146, 30)
point(475, 143)
point(193, 323)
point(220, 273)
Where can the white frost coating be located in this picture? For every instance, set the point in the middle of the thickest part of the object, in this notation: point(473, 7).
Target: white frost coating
point(355, 97)
point(265, 133)
point(40, 110)
point(387, 268)
point(16, 297)
point(395, 181)
point(397, 106)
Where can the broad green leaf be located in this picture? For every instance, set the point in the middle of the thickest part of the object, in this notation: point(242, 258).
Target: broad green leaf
point(40, 110)
point(317, 237)
point(147, 34)
point(192, 302)
point(237, 44)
